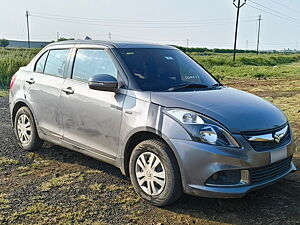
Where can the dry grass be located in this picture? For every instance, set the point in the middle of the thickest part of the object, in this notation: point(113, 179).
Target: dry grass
point(64, 180)
point(3, 93)
point(95, 187)
point(114, 187)
point(6, 161)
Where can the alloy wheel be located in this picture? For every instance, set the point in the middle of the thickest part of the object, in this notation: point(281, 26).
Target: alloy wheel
point(150, 173)
point(24, 130)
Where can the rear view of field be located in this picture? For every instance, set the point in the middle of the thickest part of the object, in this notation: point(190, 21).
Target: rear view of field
point(58, 186)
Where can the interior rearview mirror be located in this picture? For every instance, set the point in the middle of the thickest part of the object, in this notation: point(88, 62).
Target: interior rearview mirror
point(103, 82)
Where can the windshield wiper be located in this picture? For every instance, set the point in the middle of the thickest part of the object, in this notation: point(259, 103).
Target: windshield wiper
point(181, 86)
point(216, 85)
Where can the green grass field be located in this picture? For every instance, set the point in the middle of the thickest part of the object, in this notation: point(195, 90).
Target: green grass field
point(249, 65)
point(11, 59)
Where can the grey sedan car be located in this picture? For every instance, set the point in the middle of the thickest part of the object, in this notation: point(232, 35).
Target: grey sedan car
point(156, 114)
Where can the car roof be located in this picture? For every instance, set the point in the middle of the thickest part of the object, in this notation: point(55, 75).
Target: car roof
point(114, 44)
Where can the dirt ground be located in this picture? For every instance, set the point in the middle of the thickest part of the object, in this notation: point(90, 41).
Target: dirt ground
point(58, 186)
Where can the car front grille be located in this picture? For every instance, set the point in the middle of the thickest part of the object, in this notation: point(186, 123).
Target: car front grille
point(261, 146)
point(271, 171)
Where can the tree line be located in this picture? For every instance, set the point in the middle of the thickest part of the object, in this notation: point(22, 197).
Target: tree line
point(214, 50)
point(4, 42)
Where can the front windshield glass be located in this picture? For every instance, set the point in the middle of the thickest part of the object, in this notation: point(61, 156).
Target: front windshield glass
point(156, 69)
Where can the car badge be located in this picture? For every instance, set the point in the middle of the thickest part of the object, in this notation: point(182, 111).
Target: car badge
point(279, 135)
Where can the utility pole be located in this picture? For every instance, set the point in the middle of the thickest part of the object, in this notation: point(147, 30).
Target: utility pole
point(57, 36)
point(238, 6)
point(187, 43)
point(109, 36)
point(258, 33)
point(247, 43)
point(28, 39)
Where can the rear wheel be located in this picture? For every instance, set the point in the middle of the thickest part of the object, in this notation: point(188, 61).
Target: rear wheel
point(154, 172)
point(25, 130)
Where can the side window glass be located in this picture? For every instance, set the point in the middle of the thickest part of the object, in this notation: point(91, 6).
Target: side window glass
point(56, 62)
point(40, 65)
point(89, 62)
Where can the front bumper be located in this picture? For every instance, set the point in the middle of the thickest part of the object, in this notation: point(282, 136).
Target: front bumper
point(233, 192)
point(199, 161)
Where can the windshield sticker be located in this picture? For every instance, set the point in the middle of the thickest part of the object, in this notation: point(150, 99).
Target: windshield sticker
point(193, 77)
point(169, 58)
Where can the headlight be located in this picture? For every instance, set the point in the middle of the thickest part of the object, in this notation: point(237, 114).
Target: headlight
point(202, 128)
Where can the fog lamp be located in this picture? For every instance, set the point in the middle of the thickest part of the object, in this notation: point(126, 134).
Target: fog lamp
point(229, 178)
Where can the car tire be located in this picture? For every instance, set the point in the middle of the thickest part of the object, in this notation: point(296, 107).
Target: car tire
point(157, 161)
point(25, 130)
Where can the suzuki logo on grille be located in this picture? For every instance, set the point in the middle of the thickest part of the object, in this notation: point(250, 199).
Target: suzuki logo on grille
point(280, 134)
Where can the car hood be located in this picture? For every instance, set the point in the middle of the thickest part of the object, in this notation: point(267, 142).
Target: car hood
point(237, 110)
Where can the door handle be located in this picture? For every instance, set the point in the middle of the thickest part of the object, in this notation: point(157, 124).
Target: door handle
point(68, 90)
point(30, 81)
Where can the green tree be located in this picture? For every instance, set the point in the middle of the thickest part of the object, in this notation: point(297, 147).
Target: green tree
point(4, 42)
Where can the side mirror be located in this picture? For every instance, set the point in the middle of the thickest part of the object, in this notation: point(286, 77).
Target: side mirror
point(103, 82)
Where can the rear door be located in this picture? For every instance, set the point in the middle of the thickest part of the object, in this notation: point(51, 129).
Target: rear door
point(92, 118)
point(43, 89)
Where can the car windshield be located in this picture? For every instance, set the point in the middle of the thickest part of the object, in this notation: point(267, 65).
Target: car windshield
point(158, 69)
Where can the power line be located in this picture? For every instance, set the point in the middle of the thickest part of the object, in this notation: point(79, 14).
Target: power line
point(278, 13)
point(146, 27)
point(274, 11)
point(140, 25)
point(278, 16)
point(285, 6)
point(135, 21)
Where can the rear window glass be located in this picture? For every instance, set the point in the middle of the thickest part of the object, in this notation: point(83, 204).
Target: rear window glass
point(40, 65)
point(56, 62)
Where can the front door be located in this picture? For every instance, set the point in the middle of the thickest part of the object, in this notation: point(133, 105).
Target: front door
point(92, 118)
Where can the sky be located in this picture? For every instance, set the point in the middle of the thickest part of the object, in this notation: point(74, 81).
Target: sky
point(193, 23)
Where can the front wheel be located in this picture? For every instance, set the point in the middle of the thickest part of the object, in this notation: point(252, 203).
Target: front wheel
point(25, 130)
point(154, 172)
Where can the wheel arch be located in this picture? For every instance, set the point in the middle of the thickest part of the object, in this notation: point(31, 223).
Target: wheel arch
point(17, 105)
point(15, 109)
point(141, 135)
